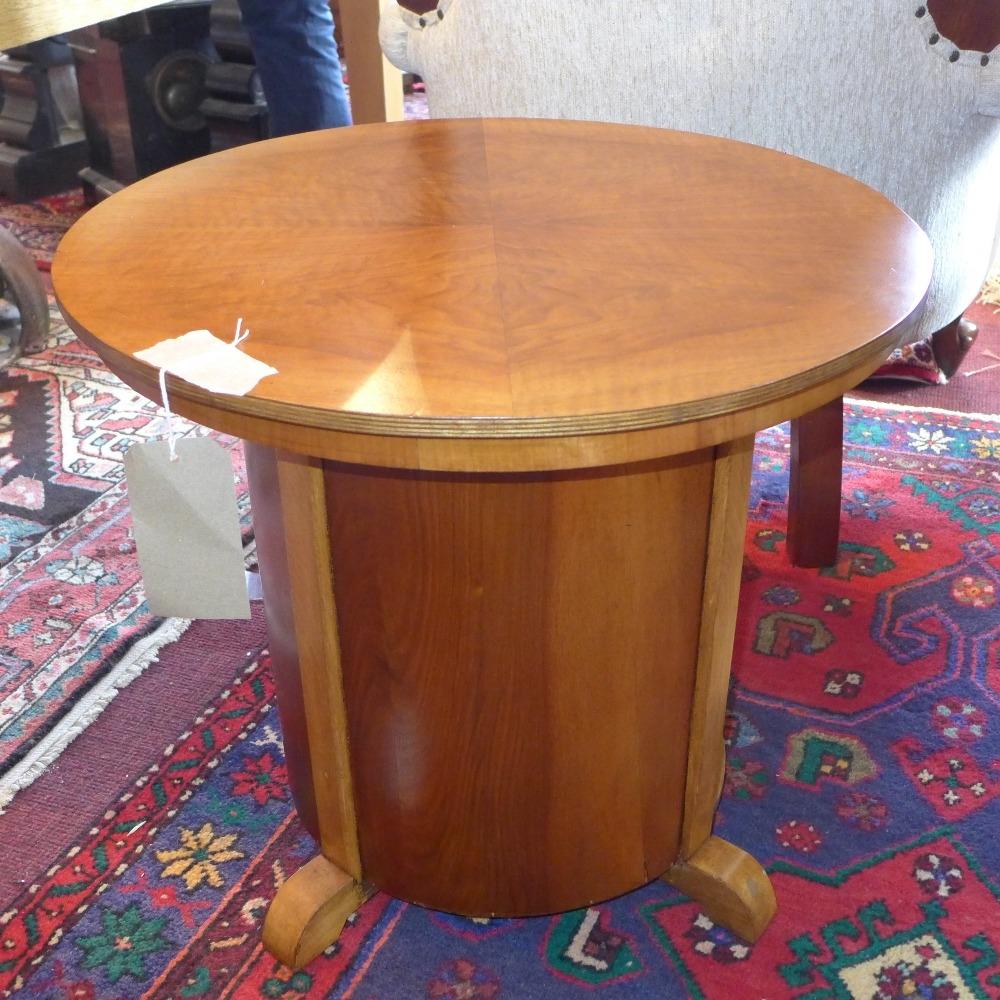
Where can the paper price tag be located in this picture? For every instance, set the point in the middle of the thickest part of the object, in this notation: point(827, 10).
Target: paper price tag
point(202, 359)
point(187, 529)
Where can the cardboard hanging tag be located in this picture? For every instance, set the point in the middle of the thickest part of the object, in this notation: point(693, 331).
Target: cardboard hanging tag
point(187, 529)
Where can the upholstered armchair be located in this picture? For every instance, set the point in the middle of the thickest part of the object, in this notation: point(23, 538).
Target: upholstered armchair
point(902, 94)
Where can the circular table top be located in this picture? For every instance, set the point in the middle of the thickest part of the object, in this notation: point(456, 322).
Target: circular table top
point(500, 280)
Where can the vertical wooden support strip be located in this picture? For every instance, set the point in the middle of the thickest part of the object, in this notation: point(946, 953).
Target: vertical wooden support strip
point(376, 85)
point(727, 883)
point(726, 531)
point(303, 506)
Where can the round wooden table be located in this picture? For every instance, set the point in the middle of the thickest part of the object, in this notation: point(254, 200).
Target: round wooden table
point(500, 482)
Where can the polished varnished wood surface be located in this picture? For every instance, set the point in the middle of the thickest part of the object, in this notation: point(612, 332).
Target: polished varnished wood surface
point(500, 279)
point(517, 660)
point(310, 910)
point(814, 485)
point(506, 680)
point(286, 665)
point(289, 508)
point(730, 886)
point(723, 562)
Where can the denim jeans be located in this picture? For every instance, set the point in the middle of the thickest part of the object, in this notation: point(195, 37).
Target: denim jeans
point(299, 68)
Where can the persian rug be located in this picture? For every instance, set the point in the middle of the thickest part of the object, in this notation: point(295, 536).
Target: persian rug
point(974, 388)
point(75, 627)
point(863, 771)
point(39, 225)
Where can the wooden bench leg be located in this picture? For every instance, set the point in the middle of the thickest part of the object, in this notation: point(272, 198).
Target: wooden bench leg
point(814, 485)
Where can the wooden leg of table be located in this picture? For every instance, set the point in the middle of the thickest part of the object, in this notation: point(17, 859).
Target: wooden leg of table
point(814, 485)
point(952, 343)
point(309, 912)
point(729, 885)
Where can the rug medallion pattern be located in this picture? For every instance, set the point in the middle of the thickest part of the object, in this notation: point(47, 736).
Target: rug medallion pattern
point(863, 771)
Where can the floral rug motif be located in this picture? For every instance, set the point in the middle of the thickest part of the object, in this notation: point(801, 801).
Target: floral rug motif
point(74, 627)
point(863, 771)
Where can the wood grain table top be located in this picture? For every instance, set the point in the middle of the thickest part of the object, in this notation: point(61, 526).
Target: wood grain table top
point(501, 279)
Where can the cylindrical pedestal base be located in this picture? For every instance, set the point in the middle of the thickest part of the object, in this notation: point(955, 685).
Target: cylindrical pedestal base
point(518, 659)
point(498, 679)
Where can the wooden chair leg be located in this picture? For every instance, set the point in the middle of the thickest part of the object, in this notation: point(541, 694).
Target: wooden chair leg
point(952, 343)
point(814, 485)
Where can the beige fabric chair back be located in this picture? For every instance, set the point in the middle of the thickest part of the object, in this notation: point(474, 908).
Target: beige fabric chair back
point(870, 89)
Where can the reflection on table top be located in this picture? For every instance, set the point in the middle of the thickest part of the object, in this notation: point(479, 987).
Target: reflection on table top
point(546, 276)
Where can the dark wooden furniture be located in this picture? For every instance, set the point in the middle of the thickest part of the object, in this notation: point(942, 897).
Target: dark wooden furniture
point(500, 482)
point(142, 78)
point(41, 143)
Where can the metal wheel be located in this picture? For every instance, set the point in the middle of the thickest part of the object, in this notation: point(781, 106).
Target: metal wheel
point(24, 324)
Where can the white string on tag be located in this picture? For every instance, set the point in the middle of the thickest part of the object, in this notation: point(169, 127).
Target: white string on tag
point(239, 338)
point(209, 362)
point(171, 433)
